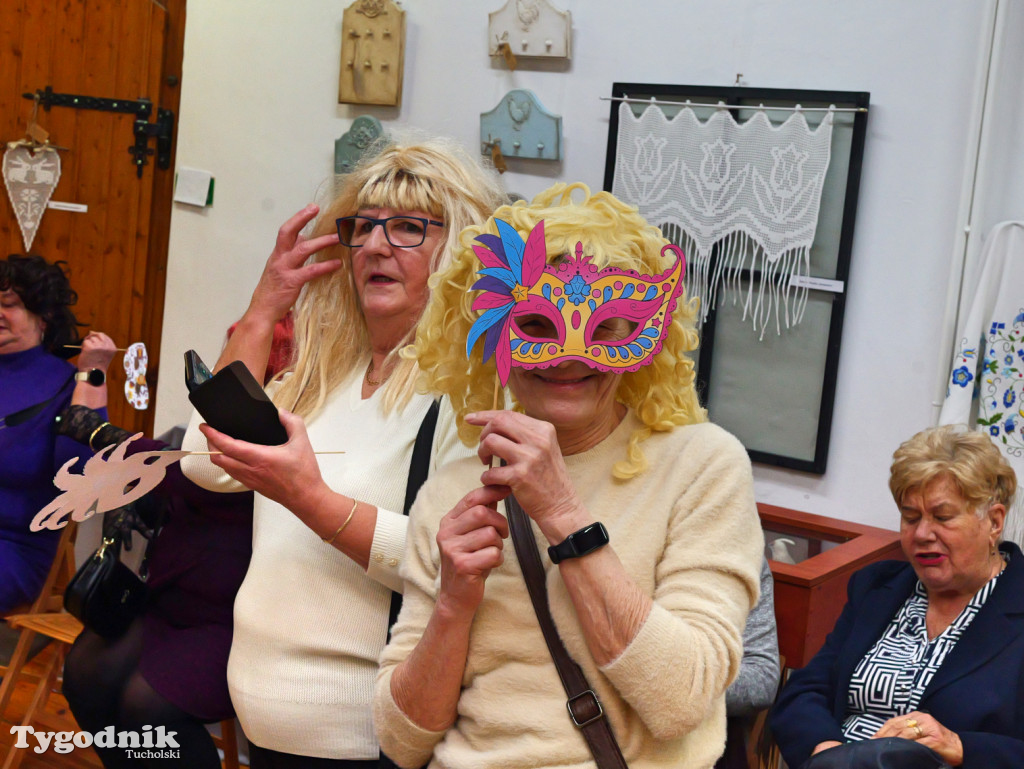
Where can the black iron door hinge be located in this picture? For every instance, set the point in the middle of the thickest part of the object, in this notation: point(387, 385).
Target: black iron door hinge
point(162, 129)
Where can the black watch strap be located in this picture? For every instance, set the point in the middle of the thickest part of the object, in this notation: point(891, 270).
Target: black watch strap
point(579, 543)
point(94, 376)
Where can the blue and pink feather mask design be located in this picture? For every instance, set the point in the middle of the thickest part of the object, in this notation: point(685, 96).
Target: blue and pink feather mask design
point(575, 297)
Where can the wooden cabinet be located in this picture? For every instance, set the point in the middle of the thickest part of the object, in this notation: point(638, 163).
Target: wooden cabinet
point(811, 593)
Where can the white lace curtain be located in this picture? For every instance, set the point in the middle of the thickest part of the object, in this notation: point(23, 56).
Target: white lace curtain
point(753, 189)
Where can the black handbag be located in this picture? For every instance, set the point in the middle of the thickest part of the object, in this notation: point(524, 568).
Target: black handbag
point(883, 753)
point(105, 595)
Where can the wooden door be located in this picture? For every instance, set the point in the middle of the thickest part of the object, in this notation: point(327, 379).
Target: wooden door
point(116, 249)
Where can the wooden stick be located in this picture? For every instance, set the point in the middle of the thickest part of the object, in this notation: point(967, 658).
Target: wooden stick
point(211, 453)
point(79, 347)
point(494, 407)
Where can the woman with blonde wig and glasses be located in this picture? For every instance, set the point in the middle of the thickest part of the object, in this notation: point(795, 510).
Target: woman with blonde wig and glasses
point(311, 616)
point(649, 538)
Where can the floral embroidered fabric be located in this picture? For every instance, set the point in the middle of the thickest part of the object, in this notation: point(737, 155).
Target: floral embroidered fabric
point(986, 383)
point(752, 189)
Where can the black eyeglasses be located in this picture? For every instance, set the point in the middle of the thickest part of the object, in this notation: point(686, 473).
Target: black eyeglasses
point(400, 231)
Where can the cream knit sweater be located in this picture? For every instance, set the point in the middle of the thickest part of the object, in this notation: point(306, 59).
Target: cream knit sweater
point(309, 622)
point(687, 532)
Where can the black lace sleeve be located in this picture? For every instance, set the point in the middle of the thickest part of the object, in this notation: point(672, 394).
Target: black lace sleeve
point(84, 425)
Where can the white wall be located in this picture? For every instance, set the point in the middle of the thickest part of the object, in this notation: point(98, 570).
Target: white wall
point(259, 111)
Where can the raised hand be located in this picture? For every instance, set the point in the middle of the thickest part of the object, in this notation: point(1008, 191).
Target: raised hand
point(535, 470)
point(284, 275)
point(97, 351)
point(286, 271)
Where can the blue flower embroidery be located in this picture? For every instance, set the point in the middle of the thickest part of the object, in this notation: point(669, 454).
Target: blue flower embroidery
point(1008, 360)
point(1008, 398)
point(962, 376)
point(1010, 424)
point(577, 290)
point(994, 430)
point(996, 327)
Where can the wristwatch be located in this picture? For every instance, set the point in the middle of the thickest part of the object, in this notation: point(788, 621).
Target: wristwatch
point(579, 543)
point(93, 376)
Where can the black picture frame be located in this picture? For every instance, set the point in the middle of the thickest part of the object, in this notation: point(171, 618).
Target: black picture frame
point(752, 98)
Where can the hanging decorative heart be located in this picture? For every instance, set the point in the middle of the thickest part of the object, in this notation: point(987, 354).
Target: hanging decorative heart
point(30, 177)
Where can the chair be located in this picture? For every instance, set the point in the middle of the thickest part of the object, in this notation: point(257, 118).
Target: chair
point(762, 751)
point(748, 742)
point(44, 617)
point(47, 618)
point(227, 741)
point(50, 599)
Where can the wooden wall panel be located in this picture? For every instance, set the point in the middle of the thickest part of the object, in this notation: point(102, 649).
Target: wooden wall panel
point(109, 49)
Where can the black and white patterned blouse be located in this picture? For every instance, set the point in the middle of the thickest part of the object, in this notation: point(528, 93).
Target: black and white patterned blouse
point(892, 676)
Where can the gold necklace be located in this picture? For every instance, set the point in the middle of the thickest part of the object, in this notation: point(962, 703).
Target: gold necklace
point(369, 377)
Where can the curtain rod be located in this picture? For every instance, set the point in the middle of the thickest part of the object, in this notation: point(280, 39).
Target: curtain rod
point(723, 105)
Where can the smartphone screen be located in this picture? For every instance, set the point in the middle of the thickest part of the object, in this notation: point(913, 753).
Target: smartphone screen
point(196, 371)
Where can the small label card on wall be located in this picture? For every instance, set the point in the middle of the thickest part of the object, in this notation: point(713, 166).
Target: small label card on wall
point(820, 284)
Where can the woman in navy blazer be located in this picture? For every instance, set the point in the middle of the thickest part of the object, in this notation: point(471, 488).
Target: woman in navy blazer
point(931, 650)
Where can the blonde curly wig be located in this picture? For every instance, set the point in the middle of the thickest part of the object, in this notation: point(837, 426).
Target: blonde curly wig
point(662, 394)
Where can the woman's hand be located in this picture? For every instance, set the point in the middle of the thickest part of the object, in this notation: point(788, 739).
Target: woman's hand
point(825, 746)
point(922, 728)
point(97, 351)
point(288, 474)
point(470, 539)
point(286, 271)
point(535, 470)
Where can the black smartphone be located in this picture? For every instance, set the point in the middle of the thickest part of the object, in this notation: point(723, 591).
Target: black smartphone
point(233, 402)
point(196, 371)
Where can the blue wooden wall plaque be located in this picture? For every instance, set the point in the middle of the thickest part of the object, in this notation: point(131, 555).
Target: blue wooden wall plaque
point(524, 128)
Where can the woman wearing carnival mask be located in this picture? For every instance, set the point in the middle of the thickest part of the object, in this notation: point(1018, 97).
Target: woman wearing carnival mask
point(644, 511)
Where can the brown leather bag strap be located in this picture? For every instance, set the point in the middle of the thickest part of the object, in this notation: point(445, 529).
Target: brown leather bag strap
point(584, 707)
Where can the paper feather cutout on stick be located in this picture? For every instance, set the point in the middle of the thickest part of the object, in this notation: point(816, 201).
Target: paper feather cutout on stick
point(109, 481)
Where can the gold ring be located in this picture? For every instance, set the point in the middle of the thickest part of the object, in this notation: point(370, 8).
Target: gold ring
point(919, 732)
point(911, 723)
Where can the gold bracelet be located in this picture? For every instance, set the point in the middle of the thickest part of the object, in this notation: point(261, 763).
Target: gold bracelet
point(334, 536)
point(105, 424)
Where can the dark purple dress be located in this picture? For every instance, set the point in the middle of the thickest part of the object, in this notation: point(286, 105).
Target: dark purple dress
point(196, 566)
point(30, 455)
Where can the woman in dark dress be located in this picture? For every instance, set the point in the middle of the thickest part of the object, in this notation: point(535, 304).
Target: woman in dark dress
point(169, 667)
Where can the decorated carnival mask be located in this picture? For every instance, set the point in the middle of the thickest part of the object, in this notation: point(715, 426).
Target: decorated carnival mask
point(574, 297)
point(136, 390)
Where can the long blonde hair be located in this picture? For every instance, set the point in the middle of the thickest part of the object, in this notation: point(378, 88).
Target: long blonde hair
point(331, 339)
point(662, 393)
